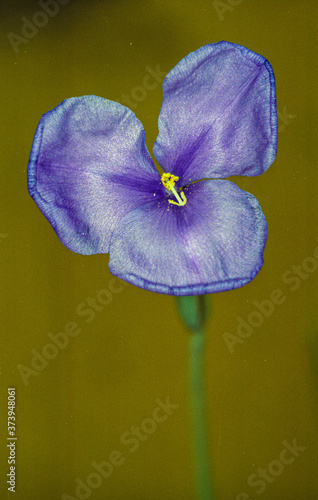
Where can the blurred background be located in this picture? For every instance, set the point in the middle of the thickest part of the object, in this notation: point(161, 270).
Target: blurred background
point(80, 403)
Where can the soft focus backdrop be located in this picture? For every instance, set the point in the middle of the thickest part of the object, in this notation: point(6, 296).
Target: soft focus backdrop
point(75, 408)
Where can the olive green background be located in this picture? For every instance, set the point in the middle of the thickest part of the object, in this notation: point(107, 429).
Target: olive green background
point(134, 350)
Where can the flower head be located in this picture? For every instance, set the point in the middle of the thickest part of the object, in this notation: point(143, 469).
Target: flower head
point(91, 175)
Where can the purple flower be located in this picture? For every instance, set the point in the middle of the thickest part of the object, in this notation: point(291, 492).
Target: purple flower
point(93, 178)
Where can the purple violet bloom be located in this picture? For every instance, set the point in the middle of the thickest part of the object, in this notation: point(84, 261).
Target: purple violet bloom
point(91, 175)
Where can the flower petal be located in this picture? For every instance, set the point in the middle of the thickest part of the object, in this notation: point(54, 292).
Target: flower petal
point(218, 116)
point(89, 166)
point(213, 243)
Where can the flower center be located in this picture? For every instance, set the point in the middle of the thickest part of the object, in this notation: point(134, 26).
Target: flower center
point(168, 180)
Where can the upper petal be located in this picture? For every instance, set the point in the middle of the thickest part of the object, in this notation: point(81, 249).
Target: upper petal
point(213, 243)
point(88, 167)
point(218, 116)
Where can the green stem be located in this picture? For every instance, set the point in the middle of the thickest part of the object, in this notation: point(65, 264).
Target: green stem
point(198, 412)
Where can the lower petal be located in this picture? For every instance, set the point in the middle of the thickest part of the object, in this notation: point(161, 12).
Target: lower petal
point(213, 243)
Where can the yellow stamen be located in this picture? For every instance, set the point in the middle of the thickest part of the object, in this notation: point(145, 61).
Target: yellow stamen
point(168, 180)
